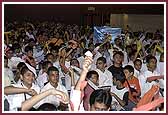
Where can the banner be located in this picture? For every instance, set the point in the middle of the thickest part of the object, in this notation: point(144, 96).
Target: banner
point(100, 32)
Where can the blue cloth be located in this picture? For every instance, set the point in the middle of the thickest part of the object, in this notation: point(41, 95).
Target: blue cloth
point(100, 32)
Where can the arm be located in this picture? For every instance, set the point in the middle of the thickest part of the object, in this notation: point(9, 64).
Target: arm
point(26, 105)
point(16, 90)
point(87, 62)
point(153, 78)
point(72, 76)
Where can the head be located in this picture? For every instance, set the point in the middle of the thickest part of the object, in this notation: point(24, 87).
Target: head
point(100, 100)
point(31, 61)
point(27, 76)
point(9, 52)
point(138, 64)
point(118, 58)
point(50, 57)
point(93, 76)
point(55, 50)
point(53, 76)
point(119, 79)
point(151, 63)
point(47, 107)
point(74, 62)
point(29, 51)
point(128, 71)
point(101, 63)
point(46, 65)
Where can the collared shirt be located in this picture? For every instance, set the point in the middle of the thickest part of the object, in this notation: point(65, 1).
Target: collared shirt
point(145, 86)
point(52, 99)
point(16, 100)
point(105, 78)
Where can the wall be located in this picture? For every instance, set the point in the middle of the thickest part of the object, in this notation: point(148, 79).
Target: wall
point(138, 22)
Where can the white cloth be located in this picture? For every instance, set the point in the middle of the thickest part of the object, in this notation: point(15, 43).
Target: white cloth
point(41, 79)
point(120, 94)
point(145, 86)
point(16, 100)
point(9, 75)
point(105, 78)
point(52, 99)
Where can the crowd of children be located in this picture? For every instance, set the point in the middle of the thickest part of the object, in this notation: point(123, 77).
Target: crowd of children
point(46, 69)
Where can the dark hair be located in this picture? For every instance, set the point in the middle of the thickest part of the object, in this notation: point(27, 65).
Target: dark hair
point(137, 61)
point(73, 60)
point(149, 57)
point(48, 54)
point(28, 48)
point(45, 64)
point(103, 59)
point(5, 58)
point(47, 107)
point(90, 73)
point(24, 70)
point(120, 76)
point(52, 69)
point(20, 65)
point(119, 53)
point(101, 96)
point(129, 68)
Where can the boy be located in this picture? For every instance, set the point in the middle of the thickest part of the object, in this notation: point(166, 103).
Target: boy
point(105, 76)
point(132, 83)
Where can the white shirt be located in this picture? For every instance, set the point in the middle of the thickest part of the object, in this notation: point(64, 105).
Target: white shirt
point(52, 99)
point(105, 78)
point(81, 60)
point(9, 74)
point(41, 79)
point(145, 86)
point(120, 94)
point(16, 100)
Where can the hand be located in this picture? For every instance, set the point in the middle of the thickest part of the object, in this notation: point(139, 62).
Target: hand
point(31, 92)
point(61, 95)
point(87, 62)
point(71, 71)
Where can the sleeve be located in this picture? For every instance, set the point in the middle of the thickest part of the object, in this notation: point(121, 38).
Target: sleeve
point(75, 100)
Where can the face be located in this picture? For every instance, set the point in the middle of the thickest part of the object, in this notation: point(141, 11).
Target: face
point(54, 53)
point(99, 107)
point(118, 59)
point(28, 78)
point(94, 79)
point(50, 58)
point(100, 65)
point(138, 65)
point(75, 63)
point(33, 62)
point(9, 54)
point(152, 64)
point(53, 77)
point(30, 53)
point(127, 73)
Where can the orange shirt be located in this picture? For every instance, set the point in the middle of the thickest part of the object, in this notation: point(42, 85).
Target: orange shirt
point(134, 83)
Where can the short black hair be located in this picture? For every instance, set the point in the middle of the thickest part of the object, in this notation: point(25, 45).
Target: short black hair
point(129, 68)
point(149, 57)
point(28, 48)
point(103, 59)
point(52, 68)
point(90, 73)
point(47, 107)
point(118, 52)
point(101, 96)
point(137, 60)
point(120, 76)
